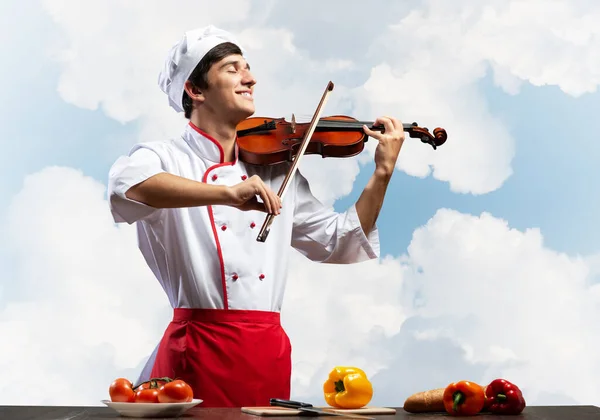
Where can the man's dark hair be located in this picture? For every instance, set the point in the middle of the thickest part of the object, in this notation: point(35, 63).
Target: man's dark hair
point(200, 74)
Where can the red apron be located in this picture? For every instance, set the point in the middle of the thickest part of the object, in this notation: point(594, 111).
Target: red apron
point(230, 358)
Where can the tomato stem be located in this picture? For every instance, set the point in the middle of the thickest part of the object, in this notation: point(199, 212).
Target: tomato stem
point(154, 382)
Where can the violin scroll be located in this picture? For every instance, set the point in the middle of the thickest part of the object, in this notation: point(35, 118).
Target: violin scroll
point(436, 139)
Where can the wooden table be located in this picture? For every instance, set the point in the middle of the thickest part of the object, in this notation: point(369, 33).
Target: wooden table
point(579, 412)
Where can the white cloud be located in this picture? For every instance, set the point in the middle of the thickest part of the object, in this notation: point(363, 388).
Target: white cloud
point(484, 299)
point(509, 297)
point(476, 157)
point(433, 59)
point(73, 310)
point(114, 50)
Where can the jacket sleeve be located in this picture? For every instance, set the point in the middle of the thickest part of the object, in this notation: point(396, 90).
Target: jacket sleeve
point(125, 173)
point(326, 236)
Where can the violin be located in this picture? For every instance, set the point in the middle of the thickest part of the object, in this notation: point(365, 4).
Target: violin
point(270, 141)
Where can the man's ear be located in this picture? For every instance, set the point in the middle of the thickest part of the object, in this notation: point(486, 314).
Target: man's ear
point(193, 91)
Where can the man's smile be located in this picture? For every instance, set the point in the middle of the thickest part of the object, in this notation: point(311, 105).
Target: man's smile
point(246, 94)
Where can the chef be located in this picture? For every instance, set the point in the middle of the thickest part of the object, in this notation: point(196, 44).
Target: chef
point(198, 210)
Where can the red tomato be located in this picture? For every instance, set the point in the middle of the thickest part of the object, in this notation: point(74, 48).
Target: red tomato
point(148, 395)
point(176, 391)
point(121, 390)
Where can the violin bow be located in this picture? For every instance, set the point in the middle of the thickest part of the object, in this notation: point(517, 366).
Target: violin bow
point(266, 227)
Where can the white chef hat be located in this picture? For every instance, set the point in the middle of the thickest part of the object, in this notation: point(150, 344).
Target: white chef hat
point(183, 58)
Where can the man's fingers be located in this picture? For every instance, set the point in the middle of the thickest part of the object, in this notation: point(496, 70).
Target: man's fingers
point(397, 124)
point(264, 195)
point(387, 124)
point(253, 204)
point(269, 201)
point(276, 202)
point(273, 200)
point(370, 132)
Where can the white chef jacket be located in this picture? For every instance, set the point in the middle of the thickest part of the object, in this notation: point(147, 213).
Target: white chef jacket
point(208, 256)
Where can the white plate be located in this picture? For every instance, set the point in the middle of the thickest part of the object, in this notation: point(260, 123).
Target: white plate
point(129, 409)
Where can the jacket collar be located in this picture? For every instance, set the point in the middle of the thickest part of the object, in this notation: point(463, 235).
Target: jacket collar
point(205, 145)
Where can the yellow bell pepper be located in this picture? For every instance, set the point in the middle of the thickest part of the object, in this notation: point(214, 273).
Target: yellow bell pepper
point(347, 387)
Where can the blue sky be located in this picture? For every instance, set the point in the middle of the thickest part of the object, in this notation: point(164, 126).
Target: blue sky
point(71, 249)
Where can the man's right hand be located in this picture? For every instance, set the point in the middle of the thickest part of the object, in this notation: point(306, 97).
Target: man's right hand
point(244, 196)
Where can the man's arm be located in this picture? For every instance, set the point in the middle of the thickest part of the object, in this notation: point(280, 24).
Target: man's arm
point(370, 201)
point(165, 190)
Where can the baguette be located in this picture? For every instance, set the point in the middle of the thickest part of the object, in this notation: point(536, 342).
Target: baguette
point(426, 402)
point(431, 401)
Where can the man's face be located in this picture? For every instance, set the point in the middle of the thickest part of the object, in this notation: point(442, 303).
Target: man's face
point(230, 89)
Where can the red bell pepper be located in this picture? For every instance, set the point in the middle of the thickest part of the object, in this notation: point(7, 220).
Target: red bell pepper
point(503, 397)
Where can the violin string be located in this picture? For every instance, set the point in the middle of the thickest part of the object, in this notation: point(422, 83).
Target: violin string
point(345, 124)
point(306, 118)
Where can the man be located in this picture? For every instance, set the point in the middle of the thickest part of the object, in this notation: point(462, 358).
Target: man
point(197, 213)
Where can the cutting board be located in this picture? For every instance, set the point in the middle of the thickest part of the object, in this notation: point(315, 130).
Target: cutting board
point(283, 411)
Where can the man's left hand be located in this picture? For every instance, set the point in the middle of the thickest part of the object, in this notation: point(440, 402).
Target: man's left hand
point(390, 143)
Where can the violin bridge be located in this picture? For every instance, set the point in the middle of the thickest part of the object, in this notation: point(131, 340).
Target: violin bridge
point(293, 124)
